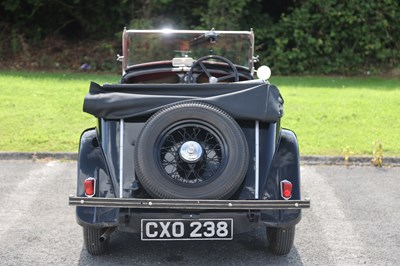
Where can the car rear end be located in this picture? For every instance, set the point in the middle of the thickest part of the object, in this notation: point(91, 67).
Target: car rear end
point(187, 149)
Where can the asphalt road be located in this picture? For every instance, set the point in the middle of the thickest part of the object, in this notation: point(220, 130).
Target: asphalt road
point(354, 220)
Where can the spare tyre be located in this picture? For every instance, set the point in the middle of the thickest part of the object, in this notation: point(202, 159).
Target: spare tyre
point(191, 150)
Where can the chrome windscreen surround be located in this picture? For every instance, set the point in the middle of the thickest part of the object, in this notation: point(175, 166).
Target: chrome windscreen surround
point(127, 33)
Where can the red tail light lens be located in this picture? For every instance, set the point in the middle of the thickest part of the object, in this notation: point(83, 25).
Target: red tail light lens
point(286, 189)
point(90, 186)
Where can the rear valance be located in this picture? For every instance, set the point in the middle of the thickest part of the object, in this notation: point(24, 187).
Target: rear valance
point(248, 101)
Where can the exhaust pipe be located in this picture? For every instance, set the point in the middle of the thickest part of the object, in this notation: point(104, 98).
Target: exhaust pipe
point(106, 234)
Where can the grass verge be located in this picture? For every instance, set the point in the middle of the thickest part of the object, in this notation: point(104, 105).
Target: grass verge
point(330, 115)
point(337, 116)
point(43, 111)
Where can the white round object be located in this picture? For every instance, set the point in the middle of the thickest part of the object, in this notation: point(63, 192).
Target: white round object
point(263, 72)
point(191, 151)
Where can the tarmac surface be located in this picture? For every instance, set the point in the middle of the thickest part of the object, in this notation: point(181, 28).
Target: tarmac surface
point(354, 219)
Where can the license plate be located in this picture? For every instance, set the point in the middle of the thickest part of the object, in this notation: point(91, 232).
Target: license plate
point(186, 229)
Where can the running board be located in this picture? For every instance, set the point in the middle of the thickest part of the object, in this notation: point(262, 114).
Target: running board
point(189, 204)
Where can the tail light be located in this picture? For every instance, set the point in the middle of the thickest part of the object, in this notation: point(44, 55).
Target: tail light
point(90, 186)
point(286, 189)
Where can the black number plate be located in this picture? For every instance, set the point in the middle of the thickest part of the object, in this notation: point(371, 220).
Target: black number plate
point(187, 229)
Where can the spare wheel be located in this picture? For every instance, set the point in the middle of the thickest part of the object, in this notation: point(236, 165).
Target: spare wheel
point(191, 150)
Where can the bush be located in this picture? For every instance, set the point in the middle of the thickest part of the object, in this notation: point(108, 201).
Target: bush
point(336, 36)
point(292, 36)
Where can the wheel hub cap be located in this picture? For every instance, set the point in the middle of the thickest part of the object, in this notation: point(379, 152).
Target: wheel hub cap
point(191, 151)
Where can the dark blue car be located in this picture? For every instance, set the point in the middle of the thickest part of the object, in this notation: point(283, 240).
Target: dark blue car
point(188, 146)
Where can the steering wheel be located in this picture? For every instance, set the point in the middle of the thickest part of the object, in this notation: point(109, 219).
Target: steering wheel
point(199, 66)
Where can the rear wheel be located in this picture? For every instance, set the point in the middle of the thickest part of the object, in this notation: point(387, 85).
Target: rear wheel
point(93, 244)
point(280, 239)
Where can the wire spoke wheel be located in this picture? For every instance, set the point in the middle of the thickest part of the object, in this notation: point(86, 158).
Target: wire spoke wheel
point(191, 150)
point(210, 159)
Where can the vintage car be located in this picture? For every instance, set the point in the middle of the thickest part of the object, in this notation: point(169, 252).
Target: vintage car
point(188, 146)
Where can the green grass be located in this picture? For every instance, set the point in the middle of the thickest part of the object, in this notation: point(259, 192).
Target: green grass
point(332, 114)
point(43, 112)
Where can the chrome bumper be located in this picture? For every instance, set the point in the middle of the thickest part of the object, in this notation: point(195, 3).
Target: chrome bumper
point(189, 204)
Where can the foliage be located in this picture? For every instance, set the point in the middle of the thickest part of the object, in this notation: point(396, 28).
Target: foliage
point(378, 154)
point(36, 19)
point(292, 36)
point(224, 15)
point(347, 152)
point(56, 54)
point(336, 36)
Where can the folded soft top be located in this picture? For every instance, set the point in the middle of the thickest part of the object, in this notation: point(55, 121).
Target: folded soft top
point(248, 101)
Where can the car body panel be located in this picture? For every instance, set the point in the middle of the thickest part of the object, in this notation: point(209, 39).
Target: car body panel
point(93, 162)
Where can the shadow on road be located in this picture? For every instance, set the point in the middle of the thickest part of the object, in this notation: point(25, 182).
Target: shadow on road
point(245, 249)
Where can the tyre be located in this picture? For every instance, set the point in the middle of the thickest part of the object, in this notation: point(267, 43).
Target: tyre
point(191, 150)
point(93, 244)
point(280, 239)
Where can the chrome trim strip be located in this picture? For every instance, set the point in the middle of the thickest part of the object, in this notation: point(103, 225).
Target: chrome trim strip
point(257, 160)
point(167, 31)
point(124, 51)
point(103, 137)
point(251, 58)
point(121, 157)
point(189, 204)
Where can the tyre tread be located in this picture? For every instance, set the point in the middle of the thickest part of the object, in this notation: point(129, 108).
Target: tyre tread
point(281, 239)
point(91, 236)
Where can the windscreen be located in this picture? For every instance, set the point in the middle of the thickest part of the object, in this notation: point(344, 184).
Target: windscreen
point(144, 47)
